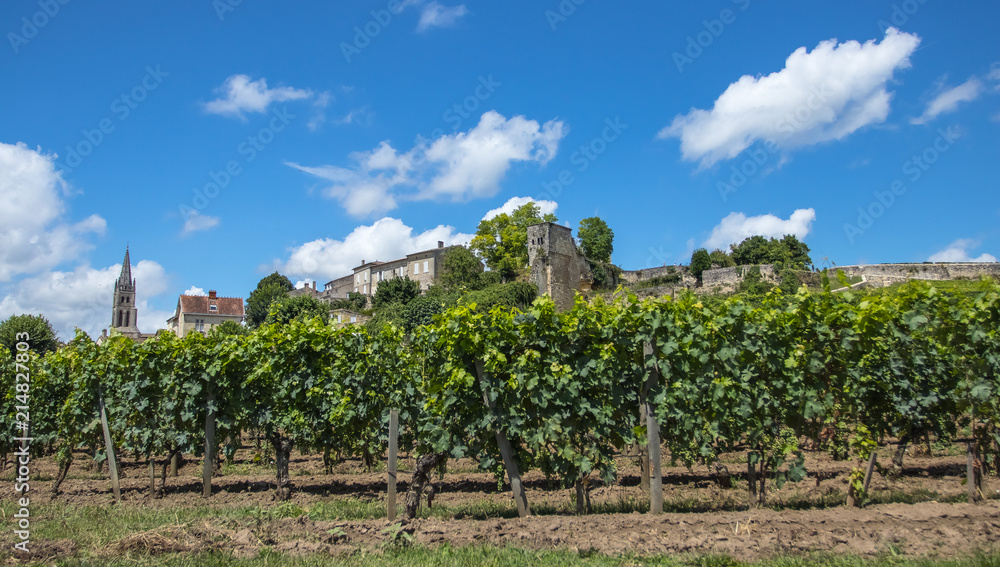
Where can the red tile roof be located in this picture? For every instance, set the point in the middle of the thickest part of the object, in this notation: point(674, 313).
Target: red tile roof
point(230, 306)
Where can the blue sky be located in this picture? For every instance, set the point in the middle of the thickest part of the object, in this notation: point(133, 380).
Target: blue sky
point(223, 140)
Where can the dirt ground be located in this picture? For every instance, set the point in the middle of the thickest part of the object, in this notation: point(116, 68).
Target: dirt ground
point(703, 518)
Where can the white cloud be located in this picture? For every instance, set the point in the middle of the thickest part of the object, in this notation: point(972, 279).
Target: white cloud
point(994, 75)
point(958, 251)
point(239, 95)
point(434, 15)
point(196, 221)
point(737, 226)
point(386, 239)
point(819, 96)
point(82, 298)
point(457, 167)
point(948, 100)
point(194, 290)
point(34, 234)
point(514, 203)
point(996, 117)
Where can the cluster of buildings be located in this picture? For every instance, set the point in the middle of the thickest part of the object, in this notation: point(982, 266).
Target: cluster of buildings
point(200, 313)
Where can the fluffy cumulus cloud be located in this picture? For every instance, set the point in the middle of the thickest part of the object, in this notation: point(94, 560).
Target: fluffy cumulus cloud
point(456, 167)
point(435, 15)
point(240, 95)
point(34, 232)
point(822, 95)
point(514, 203)
point(196, 221)
point(737, 227)
point(82, 298)
point(194, 290)
point(949, 99)
point(386, 239)
point(958, 251)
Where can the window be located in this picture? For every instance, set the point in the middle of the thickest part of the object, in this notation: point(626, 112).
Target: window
point(199, 325)
point(354, 319)
point(416, 268)
point(365, 289)
point(425, 267)
point(366, 276)
point(213, 308)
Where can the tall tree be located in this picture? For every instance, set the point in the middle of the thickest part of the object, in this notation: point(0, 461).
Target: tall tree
point(460, 269)
point(39, 334)
point(395, 290)
point(720, 259)
point(502, 241)
point(285, 309)
point(700, 261)
point(269, 289)
point(596, 239)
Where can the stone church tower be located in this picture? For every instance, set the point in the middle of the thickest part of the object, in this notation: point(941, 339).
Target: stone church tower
point(123, 310)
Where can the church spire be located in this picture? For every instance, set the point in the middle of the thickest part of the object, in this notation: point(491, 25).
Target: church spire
point(125, 279)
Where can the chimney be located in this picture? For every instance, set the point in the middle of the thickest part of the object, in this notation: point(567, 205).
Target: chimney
point(440, 244)
point(211, 294)
point(362, 262)
point(314, 286)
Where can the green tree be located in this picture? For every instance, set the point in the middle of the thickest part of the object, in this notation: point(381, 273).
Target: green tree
point(460, 269)
point(720, 259)
point(269, 289)
point(40, 336)
point(229, 328)
point(502, 241)
point(700, 261)
point(396, 290)
point(300, 307)
point(356, 301)
point(596, 239)
point(753, 250)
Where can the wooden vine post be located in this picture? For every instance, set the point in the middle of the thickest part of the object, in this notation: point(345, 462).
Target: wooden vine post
point(970, 470)
point(653, 435)
point(390, 500)
point(206, 469)
point(520, 499)
point(109, 446)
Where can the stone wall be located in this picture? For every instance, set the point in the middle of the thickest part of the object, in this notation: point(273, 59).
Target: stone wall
point(882, 275)
point(728, 279)
point(647, 274)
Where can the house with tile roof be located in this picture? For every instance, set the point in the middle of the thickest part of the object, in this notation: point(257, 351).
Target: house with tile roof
point(200, 313)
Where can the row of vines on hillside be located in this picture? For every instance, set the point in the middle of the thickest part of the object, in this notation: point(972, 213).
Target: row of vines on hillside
point(555, 392)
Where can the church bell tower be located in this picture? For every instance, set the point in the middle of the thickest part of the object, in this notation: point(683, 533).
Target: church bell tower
point(123, 310)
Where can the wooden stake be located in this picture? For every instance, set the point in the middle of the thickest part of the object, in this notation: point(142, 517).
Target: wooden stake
point(206, 469)
point(390, 501)
point(653, 434)
point(520, 498)
point(970, 458)
point(871, 468)
point(109, 447)
point(175, 463)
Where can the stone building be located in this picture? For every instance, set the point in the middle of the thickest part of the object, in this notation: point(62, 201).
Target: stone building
point(200, 313)
point(424, 267)
point(558, 269)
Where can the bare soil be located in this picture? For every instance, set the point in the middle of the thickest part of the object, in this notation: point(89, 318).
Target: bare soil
point(704, 518)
